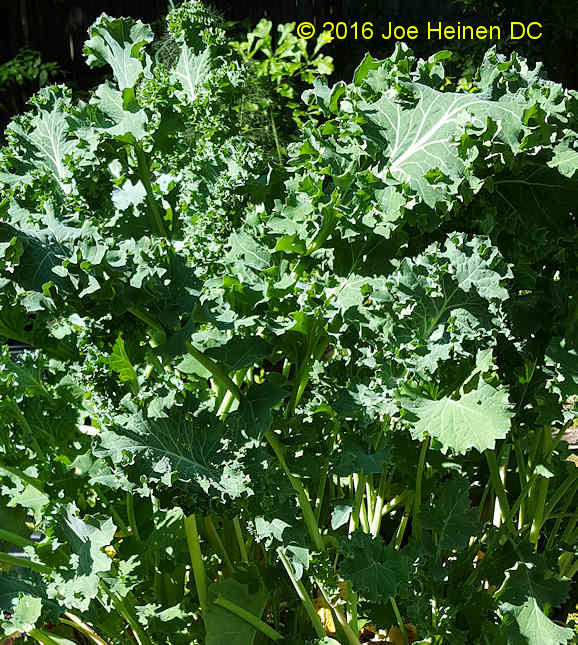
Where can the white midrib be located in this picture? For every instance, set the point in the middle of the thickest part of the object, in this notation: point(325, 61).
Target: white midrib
point(414, 147)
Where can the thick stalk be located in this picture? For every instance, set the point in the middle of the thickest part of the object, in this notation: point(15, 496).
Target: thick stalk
point(321, 491)
point(22, 476)
point(303, 595)
point(379, 504)
point(15, 539)
point(399, 619)
point(558, 523)
point(302, 497)
point(499, 488)
point(358, 486)
point(43, 637)
point(217, 373)
point(418, 487)
point(249, 618)
point(83, 628)
point(276, 138)
point(24, 563)
point(240, 540)
point(131, 515)
point(351, 598)
point(401, 530)
point(352, 638)
point(215, 538)
point(540, 496)
point(199, 573)
point(126, 612)
point(144, 174)
point(568, 489)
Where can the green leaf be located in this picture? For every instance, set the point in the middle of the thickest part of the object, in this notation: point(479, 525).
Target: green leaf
point(77, 584)
point(535, 626)
point(119, 43)
point(181, 449)
point(26, 613)
point(422, 135)
point(246, 590)
point(452, 518)
point(120, 362)
point(376, 571)
point(565, 159)
point(474, 421)
point(192, 71)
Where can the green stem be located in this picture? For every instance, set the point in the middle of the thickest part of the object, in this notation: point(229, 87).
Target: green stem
point(499, 487)
point(540, 496)
point(358, 483)
point(24, 563)
point(302, 497)
point(15, 539)
point(351, 598)
point(131, 516)
point(147, 319)
point(199, 573)
point(240, 540)
point(145, 176)
point(76, 623)
point(379, 505)
point(120, 523)
point(399, 620)
point(401, 530)
point(560, 493)
point(352, 638)
point(217, 373)
point(215, 538)
point(22, 476)
point(250, 618)
point(303, 595)
point(400, 500)
point(126, 612)
point(321, 490)
point(42, 637)
point(276, 138)
point(418, 488)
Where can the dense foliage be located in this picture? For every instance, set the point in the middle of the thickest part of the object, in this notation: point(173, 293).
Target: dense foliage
point(316, 395)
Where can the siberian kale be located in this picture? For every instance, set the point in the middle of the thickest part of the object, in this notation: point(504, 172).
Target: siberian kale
point(312, 400)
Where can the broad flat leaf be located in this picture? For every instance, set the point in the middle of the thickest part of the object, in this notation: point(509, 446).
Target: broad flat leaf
point(535, 626)
point(192, 71)
point(119, 43)
point(422, 136)
point(452, 518)
point(254, 416)
point(376, 571)
point(474, 421)
point(534, 580)
point(120, 362)
point(50, 140)
point(128, 195)
point(565, 159)
point(32, 499)
point(241, 352)
point(26, 612)
point(120, 118)
point(562, 366)
point(77, 584)
point(180, 449)
point(244, 589)
point(356, 458)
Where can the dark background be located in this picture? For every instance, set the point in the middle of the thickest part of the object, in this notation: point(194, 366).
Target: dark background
point(57, 28)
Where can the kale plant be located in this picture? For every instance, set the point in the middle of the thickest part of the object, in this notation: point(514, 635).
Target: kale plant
point(319, 401)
